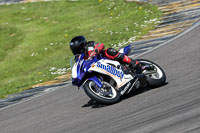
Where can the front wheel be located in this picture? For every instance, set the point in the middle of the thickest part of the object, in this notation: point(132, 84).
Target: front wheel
point(155, 77)
point(105, 95)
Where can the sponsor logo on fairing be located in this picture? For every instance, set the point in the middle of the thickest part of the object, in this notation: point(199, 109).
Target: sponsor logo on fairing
point(112, 70)
point(126, 88)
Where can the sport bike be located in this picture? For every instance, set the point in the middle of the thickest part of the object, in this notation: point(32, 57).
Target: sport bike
point(105, 80)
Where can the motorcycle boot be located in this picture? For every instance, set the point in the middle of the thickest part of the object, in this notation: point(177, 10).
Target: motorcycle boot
point(148, 67)
point(135, 66)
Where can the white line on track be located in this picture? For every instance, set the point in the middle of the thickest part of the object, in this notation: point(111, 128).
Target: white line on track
point(161, 45)
point(49, 90)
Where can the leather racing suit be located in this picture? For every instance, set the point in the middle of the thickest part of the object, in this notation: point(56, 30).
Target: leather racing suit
point(94, 48)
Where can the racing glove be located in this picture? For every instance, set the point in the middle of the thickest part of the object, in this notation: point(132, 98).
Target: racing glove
point(92, 53)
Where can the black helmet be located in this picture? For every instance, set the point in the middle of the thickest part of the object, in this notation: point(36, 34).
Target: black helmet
point(77, 44)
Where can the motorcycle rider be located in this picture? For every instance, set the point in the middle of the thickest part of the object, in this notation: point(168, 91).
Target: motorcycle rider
point(80, 45)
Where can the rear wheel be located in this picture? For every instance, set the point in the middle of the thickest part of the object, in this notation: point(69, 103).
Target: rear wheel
point(155, 77)
point(105, 95)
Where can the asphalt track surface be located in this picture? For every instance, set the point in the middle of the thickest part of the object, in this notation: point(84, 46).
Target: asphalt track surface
point(173, 108)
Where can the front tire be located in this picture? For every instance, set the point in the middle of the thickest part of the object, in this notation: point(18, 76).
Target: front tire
point(105, 95)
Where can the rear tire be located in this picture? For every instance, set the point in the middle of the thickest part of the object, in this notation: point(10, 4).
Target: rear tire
point(157, 79)
point(109, 96)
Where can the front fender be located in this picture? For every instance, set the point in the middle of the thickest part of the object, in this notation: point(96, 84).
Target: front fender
point(97, 81)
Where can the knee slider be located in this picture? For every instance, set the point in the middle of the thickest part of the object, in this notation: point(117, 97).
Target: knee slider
point(120, 58)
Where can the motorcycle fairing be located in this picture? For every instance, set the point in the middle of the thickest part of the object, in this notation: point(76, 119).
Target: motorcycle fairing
point(129, 86)
point(80, 69)
point(104, 66)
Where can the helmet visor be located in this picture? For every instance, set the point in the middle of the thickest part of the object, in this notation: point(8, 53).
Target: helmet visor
point(78, 50)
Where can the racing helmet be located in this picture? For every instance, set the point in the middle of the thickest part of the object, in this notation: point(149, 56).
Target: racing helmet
point(77, 45)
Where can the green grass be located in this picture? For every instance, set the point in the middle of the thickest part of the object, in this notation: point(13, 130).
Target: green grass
point(34, 37)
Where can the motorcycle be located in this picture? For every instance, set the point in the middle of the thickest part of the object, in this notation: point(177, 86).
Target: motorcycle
point(105, 80)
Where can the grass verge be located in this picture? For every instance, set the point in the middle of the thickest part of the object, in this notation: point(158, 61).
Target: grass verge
point(34, 37)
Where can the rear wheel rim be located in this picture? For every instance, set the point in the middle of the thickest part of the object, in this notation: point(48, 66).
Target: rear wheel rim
point(107, 91)
point(158, 74)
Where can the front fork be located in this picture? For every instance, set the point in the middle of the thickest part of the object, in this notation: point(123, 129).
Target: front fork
point(97, 81)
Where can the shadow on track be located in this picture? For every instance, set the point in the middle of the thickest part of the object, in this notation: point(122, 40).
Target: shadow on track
point(94, 104)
